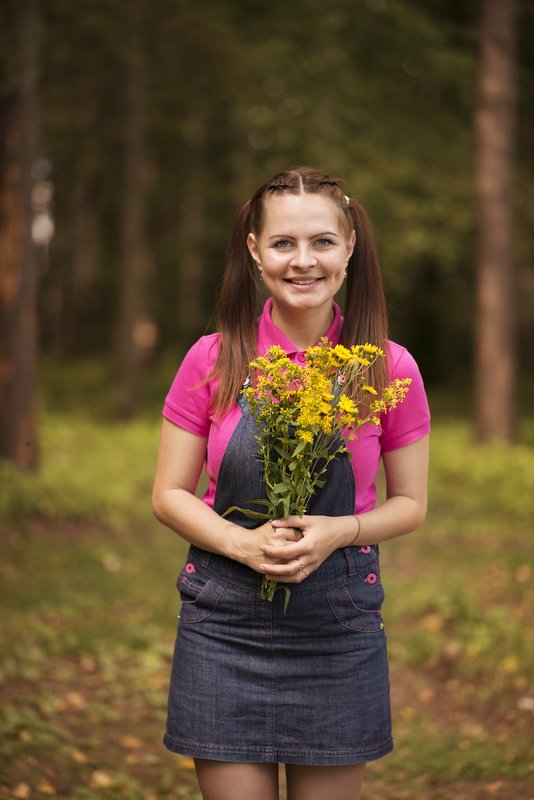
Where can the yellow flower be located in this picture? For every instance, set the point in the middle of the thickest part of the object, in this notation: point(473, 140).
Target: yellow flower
point(339, 356)
point(346, 405)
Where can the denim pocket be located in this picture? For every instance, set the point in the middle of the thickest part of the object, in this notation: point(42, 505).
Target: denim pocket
point(356, 604)
point(199, 594)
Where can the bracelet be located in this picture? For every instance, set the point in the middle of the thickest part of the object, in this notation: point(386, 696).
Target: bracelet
point(358, 520)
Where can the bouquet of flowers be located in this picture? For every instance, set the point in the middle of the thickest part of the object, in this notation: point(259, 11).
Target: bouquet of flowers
point(306, 414)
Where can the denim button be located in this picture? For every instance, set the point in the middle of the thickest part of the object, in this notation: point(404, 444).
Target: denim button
point(371, 578)
point(365, 549)
point(301, 357)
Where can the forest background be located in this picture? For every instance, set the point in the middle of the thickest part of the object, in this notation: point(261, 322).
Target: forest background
point(140, 128)
point(149, 129)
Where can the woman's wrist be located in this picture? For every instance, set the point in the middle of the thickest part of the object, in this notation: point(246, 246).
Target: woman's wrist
point(349, 530)
point(358, 522)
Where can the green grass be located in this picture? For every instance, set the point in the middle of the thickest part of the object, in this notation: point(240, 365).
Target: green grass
point(95, 471)
point(89, 614)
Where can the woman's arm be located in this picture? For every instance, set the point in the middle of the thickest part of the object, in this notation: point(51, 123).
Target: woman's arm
point(180, 461)
point(403, 511)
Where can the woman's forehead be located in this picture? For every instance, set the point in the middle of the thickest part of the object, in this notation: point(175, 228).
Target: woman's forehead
point(305, 212)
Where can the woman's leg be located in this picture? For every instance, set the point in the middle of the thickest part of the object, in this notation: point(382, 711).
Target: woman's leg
point(223, 780)
point(318, 783)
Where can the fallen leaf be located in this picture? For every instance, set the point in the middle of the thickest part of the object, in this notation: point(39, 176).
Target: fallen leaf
point(131, 742)
point(432, 622)
point(25, 736)
point(493, 788)
point(76, 700)
point(523, 573)
point(100, 779)
point(79, 757)
point(112, 562)
point(186, 762)
point(88, 663)
point(45, 787)
point(509, 665)
point(22, 791)
point(426, 694)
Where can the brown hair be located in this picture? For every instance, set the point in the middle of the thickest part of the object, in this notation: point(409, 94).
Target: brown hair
point(365, 317)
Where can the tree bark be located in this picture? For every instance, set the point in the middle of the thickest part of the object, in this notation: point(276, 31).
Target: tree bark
point(495, 115)
point(191, 274)
point(19, 117)
point(134, 258)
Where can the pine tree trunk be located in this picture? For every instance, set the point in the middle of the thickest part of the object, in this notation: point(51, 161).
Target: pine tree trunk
point(80, 289)
point(496, 300)
point(191, 276)
point(134, 258)
point(19, 121)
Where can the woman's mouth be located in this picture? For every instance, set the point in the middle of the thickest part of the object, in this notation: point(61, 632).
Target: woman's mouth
point(302, 281)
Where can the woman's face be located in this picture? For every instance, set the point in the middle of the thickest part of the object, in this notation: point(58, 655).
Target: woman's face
point(303, 250)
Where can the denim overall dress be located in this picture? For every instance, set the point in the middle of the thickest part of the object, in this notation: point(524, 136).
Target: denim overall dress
point(252, 682)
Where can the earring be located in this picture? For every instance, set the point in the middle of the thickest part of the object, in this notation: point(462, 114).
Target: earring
point(260, 270)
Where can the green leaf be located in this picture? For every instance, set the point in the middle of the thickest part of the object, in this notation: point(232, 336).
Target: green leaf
point(299, 448)
point(246, 512)
point(287, 590)
point(281, 488)
point(284, 453)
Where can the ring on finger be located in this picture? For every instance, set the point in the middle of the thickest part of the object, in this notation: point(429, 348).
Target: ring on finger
point(301, 567)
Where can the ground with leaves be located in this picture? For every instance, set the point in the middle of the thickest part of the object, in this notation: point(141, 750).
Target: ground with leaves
point(89, 614)
point(88, 634)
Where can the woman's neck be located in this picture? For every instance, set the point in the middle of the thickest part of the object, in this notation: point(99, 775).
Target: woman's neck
point(303, 328)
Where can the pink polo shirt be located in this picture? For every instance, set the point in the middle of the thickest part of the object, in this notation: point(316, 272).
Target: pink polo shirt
point(189, 399)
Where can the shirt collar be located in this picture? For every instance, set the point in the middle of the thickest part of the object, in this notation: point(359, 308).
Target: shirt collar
point(269, 334)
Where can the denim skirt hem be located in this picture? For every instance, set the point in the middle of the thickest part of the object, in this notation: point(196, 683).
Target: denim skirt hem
point(262, 755)
point(255, 681)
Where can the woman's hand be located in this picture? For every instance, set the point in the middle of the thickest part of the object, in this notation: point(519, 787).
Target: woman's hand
point(248, 545)
point(291, 557)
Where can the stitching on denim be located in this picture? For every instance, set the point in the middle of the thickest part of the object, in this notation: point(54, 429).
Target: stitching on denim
point(293, 751)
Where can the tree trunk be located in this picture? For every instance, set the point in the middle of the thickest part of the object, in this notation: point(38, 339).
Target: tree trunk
point(496, 301)
point(134, 258)
point(19, 120)
point(80, 289)
point(191, 275)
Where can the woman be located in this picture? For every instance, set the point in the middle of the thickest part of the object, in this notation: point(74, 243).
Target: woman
point(253, 685)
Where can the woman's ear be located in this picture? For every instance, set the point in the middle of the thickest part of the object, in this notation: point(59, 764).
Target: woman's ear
point(351, 244)
point(253, 247)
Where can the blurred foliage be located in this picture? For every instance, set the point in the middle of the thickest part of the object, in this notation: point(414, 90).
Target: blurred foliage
point(379, 92)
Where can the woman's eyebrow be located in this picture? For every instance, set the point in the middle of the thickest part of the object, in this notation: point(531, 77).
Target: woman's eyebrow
point(313, 236)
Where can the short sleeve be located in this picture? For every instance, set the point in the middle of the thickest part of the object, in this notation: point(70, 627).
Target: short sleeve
point(190, 397)
point(410, 420)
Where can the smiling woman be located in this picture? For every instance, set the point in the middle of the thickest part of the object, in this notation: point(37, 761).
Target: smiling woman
point(254, 683)
point(302, 253)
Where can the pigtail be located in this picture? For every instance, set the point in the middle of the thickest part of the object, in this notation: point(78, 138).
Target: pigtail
point(236, 315)
point(365, 316)
point(365, 313)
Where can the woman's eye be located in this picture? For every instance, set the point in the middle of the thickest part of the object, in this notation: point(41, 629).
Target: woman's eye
point(323, 242)
point(282, 244)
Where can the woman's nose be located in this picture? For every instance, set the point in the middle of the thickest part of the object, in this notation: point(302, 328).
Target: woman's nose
point(303, 258)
